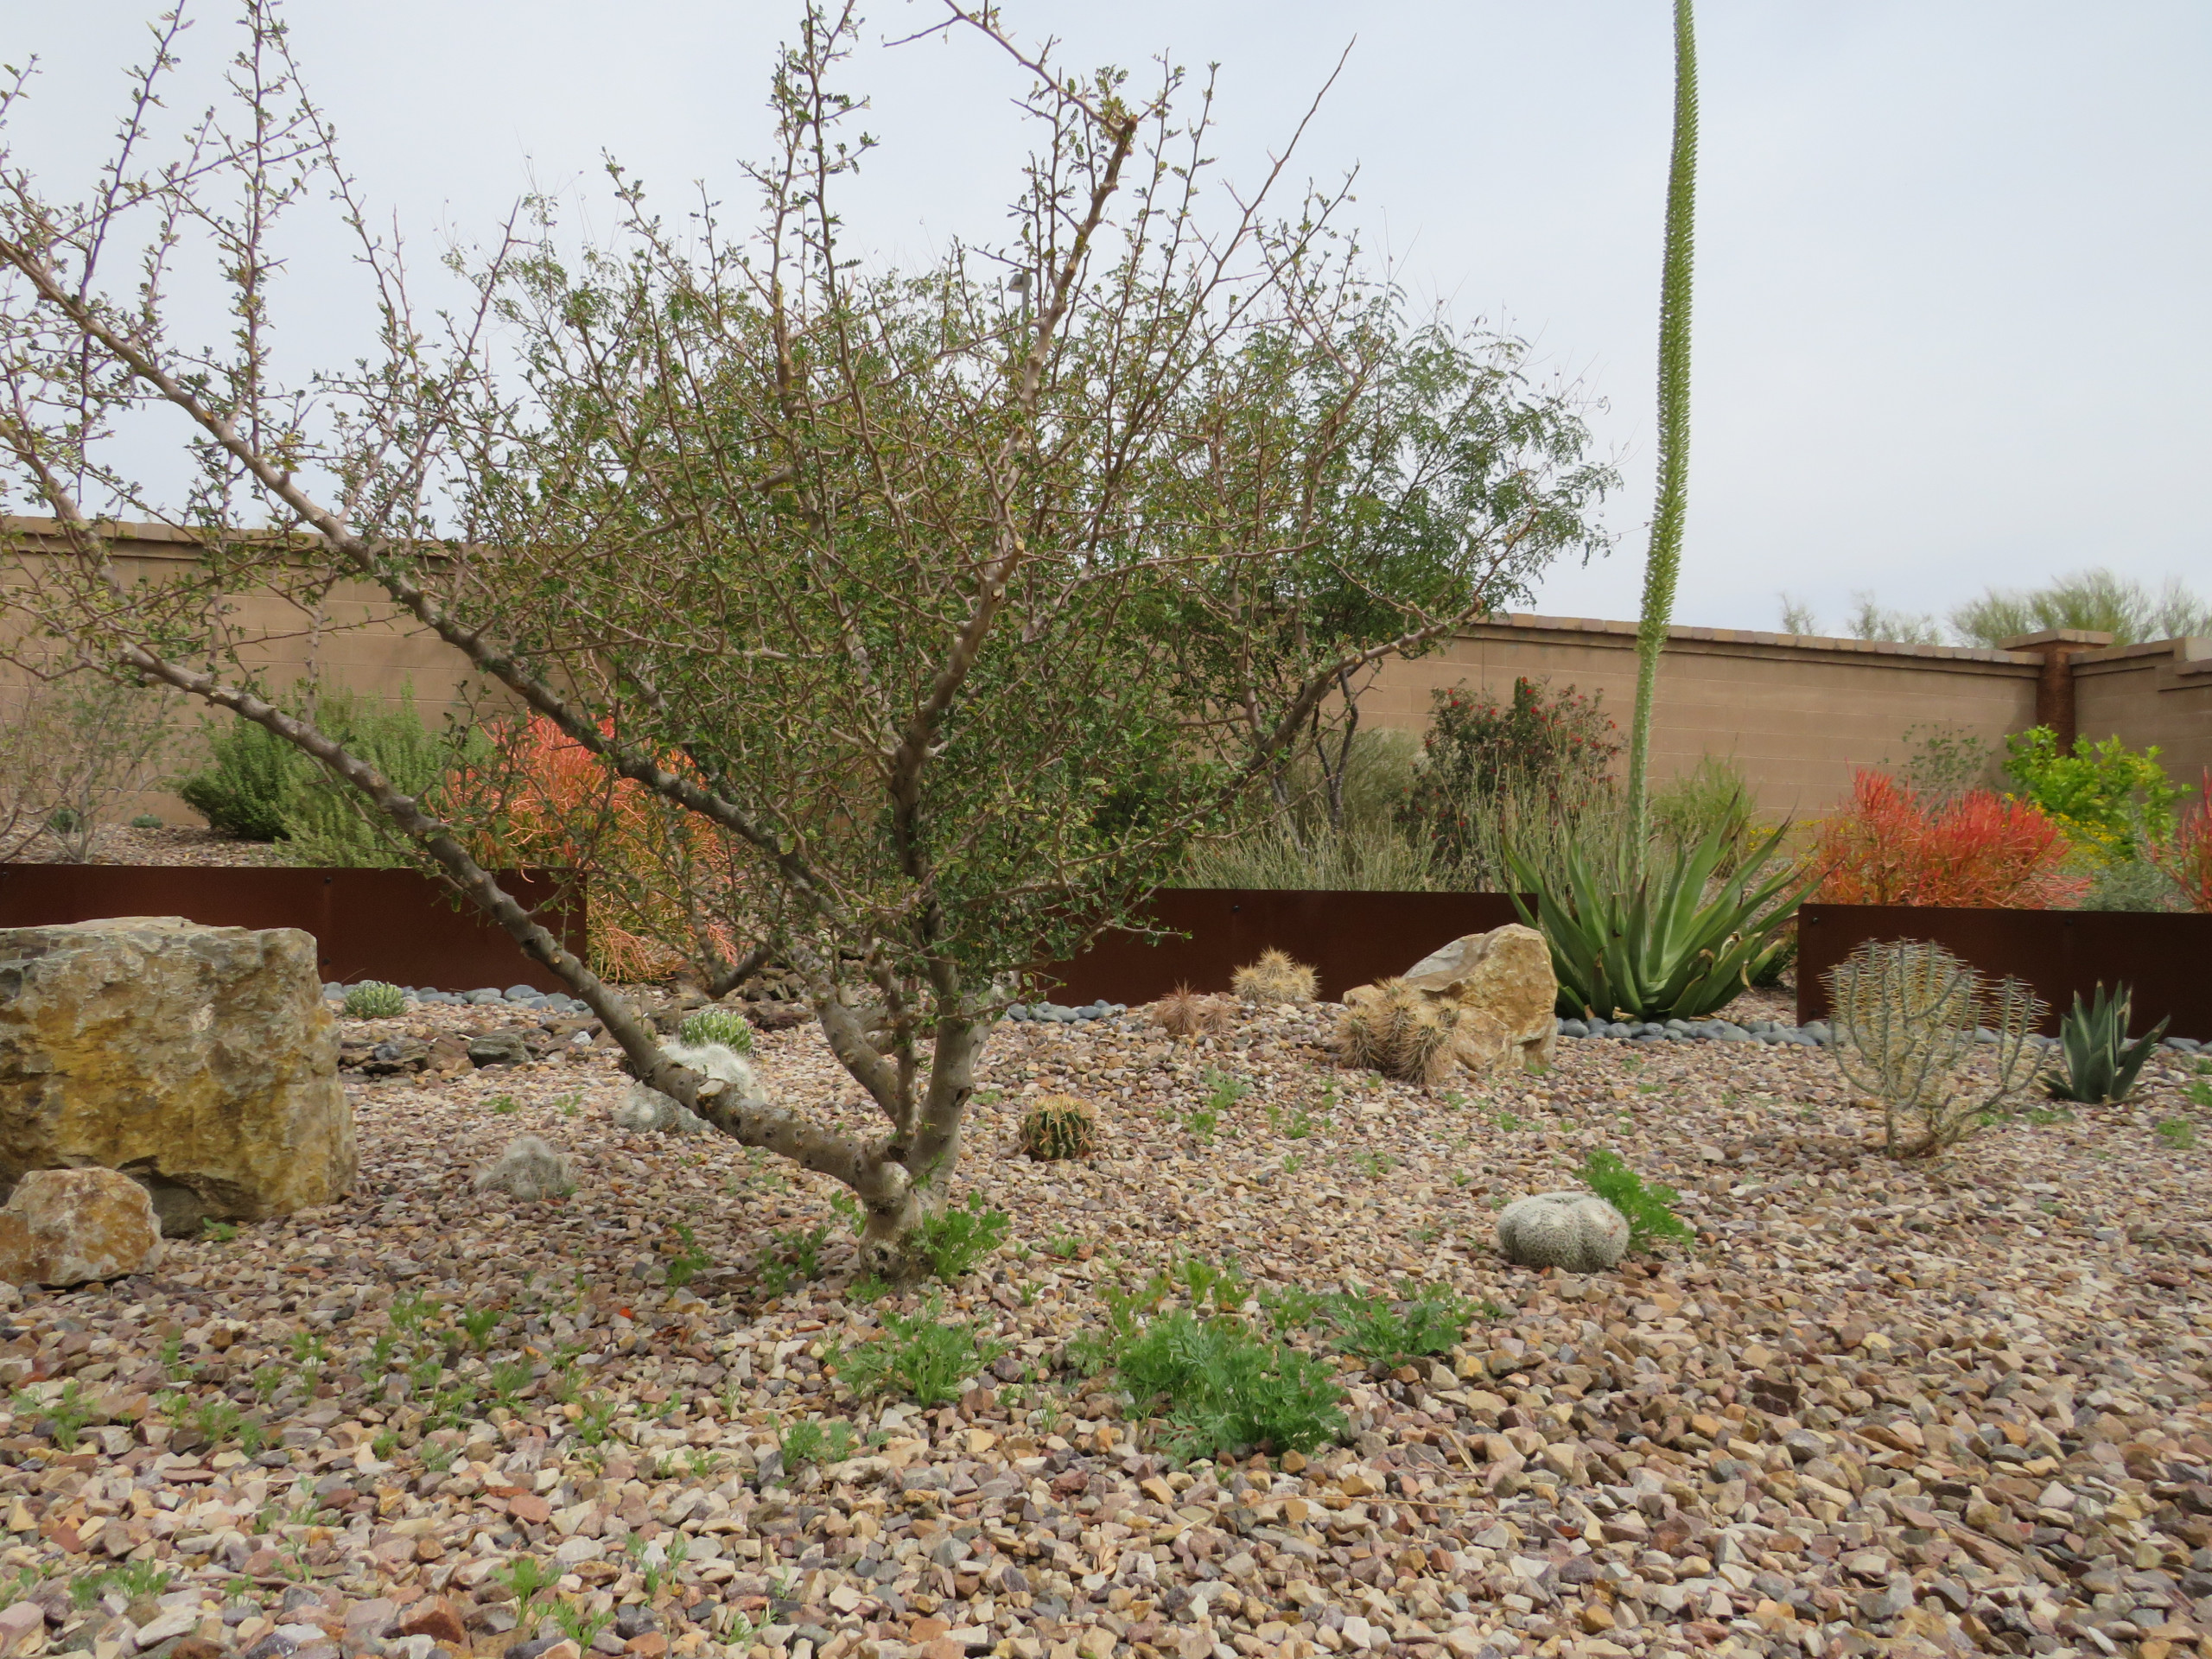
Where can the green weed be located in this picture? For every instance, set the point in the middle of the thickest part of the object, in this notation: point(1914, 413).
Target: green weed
point(1649, 1208)
point(218, 1232)
point(1427, 1323)
point(920, 1356)
point(2178, 1133)
point(1220, 1389)
point(480, 1322)
point(811, 1441)
point(1225, 1091)
point(688, 1262)
point(949, 1244)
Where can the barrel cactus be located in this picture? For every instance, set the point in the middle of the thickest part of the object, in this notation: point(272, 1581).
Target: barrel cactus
point(1059, 1126)
point(1577, 1231)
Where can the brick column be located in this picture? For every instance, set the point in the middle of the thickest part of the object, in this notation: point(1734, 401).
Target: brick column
point(2059, 647)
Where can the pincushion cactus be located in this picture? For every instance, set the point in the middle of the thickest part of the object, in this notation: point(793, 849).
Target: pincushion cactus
point(1577, 1231)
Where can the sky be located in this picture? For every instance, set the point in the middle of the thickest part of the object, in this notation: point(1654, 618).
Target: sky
point(1950, 324)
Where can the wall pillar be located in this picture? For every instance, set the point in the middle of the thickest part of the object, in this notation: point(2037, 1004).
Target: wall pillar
point(2059, 647)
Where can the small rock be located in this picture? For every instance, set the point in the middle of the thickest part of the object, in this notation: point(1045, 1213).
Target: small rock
point(71, 1226)
point(499, 1048)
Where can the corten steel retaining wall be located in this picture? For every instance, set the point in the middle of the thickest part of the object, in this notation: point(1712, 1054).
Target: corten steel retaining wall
point(397, 926)
point(1348, 939)
point(2164, 959)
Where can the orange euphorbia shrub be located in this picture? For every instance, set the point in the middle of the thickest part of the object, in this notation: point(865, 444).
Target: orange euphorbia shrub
point(2185, 858)
point(542, 799)
point(1982, 850)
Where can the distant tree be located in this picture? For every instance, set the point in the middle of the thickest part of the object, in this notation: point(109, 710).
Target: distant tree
point(2100, 600)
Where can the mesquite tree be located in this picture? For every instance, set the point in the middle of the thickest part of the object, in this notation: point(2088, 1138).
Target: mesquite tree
point(1663, 563)
point(860, 577)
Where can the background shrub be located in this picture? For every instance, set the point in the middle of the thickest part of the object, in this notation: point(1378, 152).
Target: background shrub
point(1561, 743)
point(2110, 800)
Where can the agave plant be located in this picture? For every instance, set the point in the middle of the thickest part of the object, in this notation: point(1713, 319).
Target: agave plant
point(2100, 1062)
point(1651, 944)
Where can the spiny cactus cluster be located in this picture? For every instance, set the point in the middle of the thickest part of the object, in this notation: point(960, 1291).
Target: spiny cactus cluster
point(1276, 978)
point(732, 1029)
point(1396, 1029)
point(1059, 1126)
point(374, 1000)
point(1184, 1015)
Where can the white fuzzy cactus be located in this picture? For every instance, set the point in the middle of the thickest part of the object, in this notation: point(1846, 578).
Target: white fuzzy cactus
point(1577, 1231)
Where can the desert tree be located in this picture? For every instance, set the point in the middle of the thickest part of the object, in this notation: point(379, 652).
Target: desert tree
point(1375, 484)
point(855, 574)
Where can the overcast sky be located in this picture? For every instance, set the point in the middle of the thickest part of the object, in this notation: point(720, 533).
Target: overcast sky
point(1951, 323)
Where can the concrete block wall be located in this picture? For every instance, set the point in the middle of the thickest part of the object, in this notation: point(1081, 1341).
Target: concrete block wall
point(1799, 713)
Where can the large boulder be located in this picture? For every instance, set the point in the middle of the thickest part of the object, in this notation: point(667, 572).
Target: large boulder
point(1503, 985)
point(71, 1226)
point(199, 1061)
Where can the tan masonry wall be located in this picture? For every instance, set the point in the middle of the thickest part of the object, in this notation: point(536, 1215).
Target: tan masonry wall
point(2159, 693)
point(1798, 712)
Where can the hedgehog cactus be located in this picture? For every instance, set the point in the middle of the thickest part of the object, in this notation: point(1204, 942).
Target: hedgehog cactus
point(1274, 978)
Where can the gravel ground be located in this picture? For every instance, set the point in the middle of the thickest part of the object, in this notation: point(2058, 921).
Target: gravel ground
point(1955, 1408)
point(123, 843)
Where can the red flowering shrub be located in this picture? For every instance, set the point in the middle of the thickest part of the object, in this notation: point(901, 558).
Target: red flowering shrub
point(1979, 851)
point(2185, 857)
point(1558, 741)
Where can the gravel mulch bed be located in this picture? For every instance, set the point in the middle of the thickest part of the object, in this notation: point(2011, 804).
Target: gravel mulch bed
point(1952, 1408)
point(172, 844)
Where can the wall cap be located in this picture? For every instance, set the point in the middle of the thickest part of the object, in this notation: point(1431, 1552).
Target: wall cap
point(1528, 621)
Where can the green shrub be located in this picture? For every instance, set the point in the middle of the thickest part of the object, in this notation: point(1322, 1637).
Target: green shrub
point(2108, 798)
point(247, 781)
point(948, 1244)
point(724, 1025)
point(1221, 1390)
point(2098, 1063)
point(327, 823)
point(1649, 1208)
point(145, 820)
point(374, 1000)
point(920, 1356)
point(258, 786)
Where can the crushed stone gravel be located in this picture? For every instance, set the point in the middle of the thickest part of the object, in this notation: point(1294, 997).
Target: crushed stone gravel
point(1950, 1408)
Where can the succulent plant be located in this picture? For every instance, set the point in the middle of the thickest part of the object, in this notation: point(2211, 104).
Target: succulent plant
point(374, 1000)
point(1276, 978)
point(724, 1025)
point(2099, 1062)
point(1059, 1126)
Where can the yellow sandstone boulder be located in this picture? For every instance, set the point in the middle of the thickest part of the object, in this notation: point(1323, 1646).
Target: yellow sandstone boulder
point(199, 1061)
